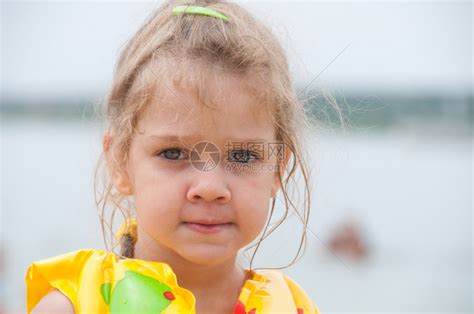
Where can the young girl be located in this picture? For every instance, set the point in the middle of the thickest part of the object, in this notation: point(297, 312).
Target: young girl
point(202, 122)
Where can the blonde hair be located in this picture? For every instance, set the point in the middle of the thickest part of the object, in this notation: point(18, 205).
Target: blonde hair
point(243, 46)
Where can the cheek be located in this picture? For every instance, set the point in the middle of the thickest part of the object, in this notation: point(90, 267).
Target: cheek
point(157, 199)
point(252, 222)
point(257, 186)
point(254, 202)
point(257, 219)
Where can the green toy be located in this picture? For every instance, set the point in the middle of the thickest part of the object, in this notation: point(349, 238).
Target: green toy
point(137, 293)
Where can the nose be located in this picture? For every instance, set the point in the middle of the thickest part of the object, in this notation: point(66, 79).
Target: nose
point(209, 186)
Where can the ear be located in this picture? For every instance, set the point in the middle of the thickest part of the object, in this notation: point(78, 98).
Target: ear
point(282, 164)
point(119, 176)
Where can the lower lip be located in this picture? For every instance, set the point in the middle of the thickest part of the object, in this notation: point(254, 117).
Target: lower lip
point(202, 228)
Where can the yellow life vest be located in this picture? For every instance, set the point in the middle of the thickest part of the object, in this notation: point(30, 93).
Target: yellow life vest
point(96, 281)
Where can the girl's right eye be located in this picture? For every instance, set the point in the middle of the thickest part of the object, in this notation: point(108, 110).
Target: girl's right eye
point(172, 154)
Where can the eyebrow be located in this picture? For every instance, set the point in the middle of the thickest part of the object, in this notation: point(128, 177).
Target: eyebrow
point(172, 138)
point(176, 138)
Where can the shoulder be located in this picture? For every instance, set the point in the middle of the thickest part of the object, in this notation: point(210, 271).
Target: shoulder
point(67, 261)
point(74, 257)
point(50, 280)
point(300, 296)
point(54, 302)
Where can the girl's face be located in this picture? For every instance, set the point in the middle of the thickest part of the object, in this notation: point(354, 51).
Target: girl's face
point(187, 206)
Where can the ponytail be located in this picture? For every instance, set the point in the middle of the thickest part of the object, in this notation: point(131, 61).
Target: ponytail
point(127, 237)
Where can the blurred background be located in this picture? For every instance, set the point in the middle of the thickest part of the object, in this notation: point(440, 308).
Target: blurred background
point(391, 222)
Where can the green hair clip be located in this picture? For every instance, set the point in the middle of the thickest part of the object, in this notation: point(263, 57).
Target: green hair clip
point(190, 9)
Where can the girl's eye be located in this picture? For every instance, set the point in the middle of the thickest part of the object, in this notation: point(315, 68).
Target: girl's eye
point(242, 156)
point(172, 154)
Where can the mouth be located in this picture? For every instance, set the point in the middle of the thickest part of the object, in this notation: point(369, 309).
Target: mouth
point(207, 228)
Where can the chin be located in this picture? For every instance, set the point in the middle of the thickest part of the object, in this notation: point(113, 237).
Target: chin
point(208, 255)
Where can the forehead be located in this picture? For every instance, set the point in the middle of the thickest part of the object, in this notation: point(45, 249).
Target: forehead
point(206, 104)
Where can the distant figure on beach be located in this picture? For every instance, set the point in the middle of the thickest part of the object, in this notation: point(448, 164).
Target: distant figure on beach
point(348, 240)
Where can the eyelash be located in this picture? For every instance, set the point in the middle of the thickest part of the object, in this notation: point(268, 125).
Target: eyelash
point(253, 154)
point(170, 149)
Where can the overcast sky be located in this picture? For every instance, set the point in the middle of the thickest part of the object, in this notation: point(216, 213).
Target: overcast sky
point(52, 49)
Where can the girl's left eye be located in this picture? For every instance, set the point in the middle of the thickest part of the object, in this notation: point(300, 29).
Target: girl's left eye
point(172, 153)
point(243, 156)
